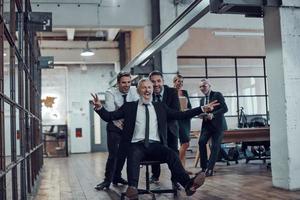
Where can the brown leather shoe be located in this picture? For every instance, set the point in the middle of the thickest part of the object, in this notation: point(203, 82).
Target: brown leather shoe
point(195, 183)
point(132, 193)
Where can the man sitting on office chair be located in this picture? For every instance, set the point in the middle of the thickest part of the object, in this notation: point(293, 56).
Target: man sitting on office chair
point(145, 128)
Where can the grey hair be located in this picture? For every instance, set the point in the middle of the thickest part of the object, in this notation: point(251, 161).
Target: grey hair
point(205, 81)
point(142, 81)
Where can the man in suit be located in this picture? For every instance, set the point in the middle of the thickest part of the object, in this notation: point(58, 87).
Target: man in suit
point(114, 99)
point(145, 129)
point(167, 95)
point(213, 126)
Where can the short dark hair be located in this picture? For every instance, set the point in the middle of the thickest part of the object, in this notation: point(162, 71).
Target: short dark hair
point(122, 74)
point(155, 72)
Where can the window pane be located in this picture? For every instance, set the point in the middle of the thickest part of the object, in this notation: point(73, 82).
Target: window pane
point(6, 56)
point(231, 103)
point(220, 67)
point(253, 105)
point(251, 86)
point(196, 124)
point(195, 101)
point(7, 132)
point(226, 86)
point(231, 122)
point(250, 67)
point(192, 86)
point(191, 67)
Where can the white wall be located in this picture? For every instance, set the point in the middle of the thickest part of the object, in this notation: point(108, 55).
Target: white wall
point(203, 42)
point(68, 52)
point(79, 84)
point(54, 96)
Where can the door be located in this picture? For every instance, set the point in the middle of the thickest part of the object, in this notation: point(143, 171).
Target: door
point(98, 132)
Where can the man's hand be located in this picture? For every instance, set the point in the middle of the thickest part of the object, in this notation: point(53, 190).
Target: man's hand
point(96, 102)
point(210, 107)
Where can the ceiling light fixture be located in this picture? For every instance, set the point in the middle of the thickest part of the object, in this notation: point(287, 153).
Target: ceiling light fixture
point(238, 34)
point(87, 51)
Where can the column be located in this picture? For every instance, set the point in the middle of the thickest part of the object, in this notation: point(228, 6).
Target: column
point(282, 41)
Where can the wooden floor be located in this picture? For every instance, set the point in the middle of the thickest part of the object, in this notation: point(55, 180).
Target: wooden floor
point(75, 177)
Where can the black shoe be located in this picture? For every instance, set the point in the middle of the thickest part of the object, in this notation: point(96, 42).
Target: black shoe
point(102, 185)
point(175, 186)
point(154, 180)
point(209, 172)
point(121, 181)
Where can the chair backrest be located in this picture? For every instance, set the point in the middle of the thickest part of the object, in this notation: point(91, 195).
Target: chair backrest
point(258, 121)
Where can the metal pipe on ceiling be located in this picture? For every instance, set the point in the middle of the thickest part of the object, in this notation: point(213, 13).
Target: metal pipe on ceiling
point(192, 14)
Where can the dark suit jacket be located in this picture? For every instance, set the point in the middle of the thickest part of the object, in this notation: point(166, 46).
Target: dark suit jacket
point(170, 98)
point(128, 112)
point(218, 123)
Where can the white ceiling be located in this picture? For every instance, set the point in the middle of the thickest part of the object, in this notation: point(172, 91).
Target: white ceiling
point(91, 18)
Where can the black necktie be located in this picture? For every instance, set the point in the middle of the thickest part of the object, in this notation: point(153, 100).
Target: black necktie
point(124, 98)
point(147, 126)
point(206, 100)
point(158, 98)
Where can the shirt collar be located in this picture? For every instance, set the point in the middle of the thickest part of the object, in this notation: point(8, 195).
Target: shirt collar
point(121, 93)
point(141, 101)
point(161, 92)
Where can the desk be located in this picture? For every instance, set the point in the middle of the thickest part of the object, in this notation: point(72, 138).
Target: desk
point(55, 140)
point(241, 135)
point(247, 135)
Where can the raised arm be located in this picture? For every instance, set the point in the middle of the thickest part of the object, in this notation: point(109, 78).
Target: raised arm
point(103, 113)
point(179, 115)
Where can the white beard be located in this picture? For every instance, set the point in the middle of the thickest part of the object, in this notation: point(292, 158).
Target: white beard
point(146, 101)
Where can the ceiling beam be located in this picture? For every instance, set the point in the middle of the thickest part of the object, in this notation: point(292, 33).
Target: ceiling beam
point(70, 33)
point(111, 33)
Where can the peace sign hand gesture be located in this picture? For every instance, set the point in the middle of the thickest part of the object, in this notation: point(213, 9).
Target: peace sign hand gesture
point(210, 107)
point(96, 102)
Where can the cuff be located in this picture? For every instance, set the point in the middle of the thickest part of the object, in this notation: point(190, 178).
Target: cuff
point(97, 109)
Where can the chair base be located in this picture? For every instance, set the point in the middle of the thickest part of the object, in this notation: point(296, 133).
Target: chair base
point(152, 192)
point(148, 190)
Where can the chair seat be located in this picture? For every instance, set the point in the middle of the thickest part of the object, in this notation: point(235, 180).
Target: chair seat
point(150, 162)
point(147, 190)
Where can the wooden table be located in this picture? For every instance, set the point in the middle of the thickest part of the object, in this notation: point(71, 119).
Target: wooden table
point(247, 135)
point(240, 135)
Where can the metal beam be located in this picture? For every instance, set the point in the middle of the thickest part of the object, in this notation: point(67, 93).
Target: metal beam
point(191, 15)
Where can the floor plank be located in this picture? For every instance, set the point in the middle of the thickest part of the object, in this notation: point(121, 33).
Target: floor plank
point(75, 177)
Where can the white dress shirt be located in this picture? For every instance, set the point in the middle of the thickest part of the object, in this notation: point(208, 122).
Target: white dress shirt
point(114, 100)
point(140, 124)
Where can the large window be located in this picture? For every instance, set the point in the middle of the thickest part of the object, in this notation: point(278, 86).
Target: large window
point(21, 147)
point(242, 81)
